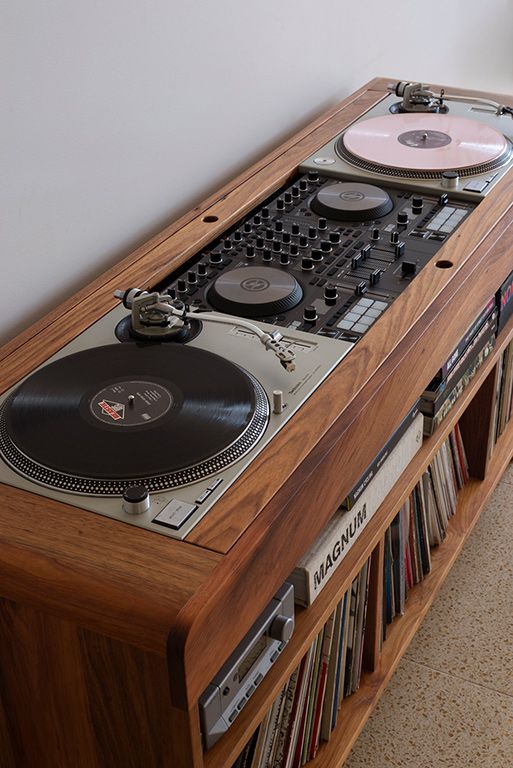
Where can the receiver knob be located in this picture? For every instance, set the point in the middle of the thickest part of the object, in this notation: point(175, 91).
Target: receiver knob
point(136, 499)
point(281, 628)
point(309, 314)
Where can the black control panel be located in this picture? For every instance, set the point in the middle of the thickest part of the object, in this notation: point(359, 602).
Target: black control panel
point(323, 255)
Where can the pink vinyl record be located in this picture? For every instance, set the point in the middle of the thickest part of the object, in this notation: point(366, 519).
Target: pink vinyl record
point(424, 142)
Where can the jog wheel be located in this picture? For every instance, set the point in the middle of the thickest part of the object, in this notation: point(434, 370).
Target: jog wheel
point(352, 201)
point(255, 292)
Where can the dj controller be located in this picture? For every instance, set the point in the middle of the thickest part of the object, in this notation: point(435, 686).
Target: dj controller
point(321, 256)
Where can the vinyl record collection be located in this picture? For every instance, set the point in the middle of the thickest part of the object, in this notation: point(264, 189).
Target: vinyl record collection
point(305, 712)
point(421, 523)
point(503, 393)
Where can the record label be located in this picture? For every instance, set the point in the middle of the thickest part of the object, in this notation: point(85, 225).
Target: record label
point(131, 403)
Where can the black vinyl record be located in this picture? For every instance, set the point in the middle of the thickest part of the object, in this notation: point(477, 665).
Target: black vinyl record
point(128, 412)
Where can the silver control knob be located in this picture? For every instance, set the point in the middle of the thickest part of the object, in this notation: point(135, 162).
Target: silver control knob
point(450, 179)
point(282, 628)
point(136, 499)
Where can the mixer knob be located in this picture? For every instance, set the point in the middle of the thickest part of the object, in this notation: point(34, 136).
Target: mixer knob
point(248, 227)
point(265, 213)
point(375, 234)
point(227, 244)
point(394, 237)
point(237, 236)
point(295, 229)
point(408, 268)
point(303, 241)
point(326, 246)
point(192, 277)
point(286, 238)
point(215, 258)
point(269, 234)
point(313, 176)
point(202, 269)
point(309, 314)
point(276, 246)
point(375, 277)
point(307, 264)
point(312, 233)
point(295, 191)
point(402, 218)
point(257, 220)
point(330, 293)
point(361, 288)
point(287, 198)
point(280, 204)
point(303, 185)
point(335, 237)
point(399, 250)
point(284, 259)
point(267, 255)
point(278, 225)
point(317, 255)
point(171, 292)
point(294, 249)
point(322, 223)
point(250, 252)
point(417, 204)
point(181, 285)
point(260, 242)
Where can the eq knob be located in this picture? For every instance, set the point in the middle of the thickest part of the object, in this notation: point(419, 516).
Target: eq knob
point(312, 233)
point(227, 244)
point(276, 246)
point(303, 241)
point(280, 204)
point(287, 198)
point(192, 277)
point(202, 269)
point(269, 234)
point(286, 238)
point(295, 191)
point(260, 242)
point(265, 213)
point(402, 218)
point(294, 249)
point(316, 254)
point(215, 258)
point(322, 223)
point(335, 237)
point(295, 229)
point(257, 220)
point(278, 225)
point(307, 264)
point(313, 177)
point(303, 185)
point(237, 236)
point(330, 293)
point(284, 259)
point(267, 255)
point(417, 204)
point(248, 227)
point(309, 314)
point(181, 285)
point(136, 499)
point(250, 252)
point(326, 246)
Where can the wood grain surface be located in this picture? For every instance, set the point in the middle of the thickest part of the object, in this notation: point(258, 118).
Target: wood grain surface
point(131, 610)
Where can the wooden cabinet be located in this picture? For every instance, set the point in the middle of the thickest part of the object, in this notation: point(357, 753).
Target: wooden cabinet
point(109, 634)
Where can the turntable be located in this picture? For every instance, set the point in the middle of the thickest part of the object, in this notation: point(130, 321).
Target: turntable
point(424, 141)
point(152, 430)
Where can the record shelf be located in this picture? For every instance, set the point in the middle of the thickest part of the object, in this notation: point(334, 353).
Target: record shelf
point(110, 634)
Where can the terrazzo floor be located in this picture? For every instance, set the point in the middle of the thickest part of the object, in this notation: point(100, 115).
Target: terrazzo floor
point(450, 702)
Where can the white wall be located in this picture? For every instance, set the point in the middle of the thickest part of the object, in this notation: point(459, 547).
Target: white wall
point(118, 115)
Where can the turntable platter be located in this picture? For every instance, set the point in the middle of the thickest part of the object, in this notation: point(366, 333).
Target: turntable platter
point(165, 415)
point(431, 143)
